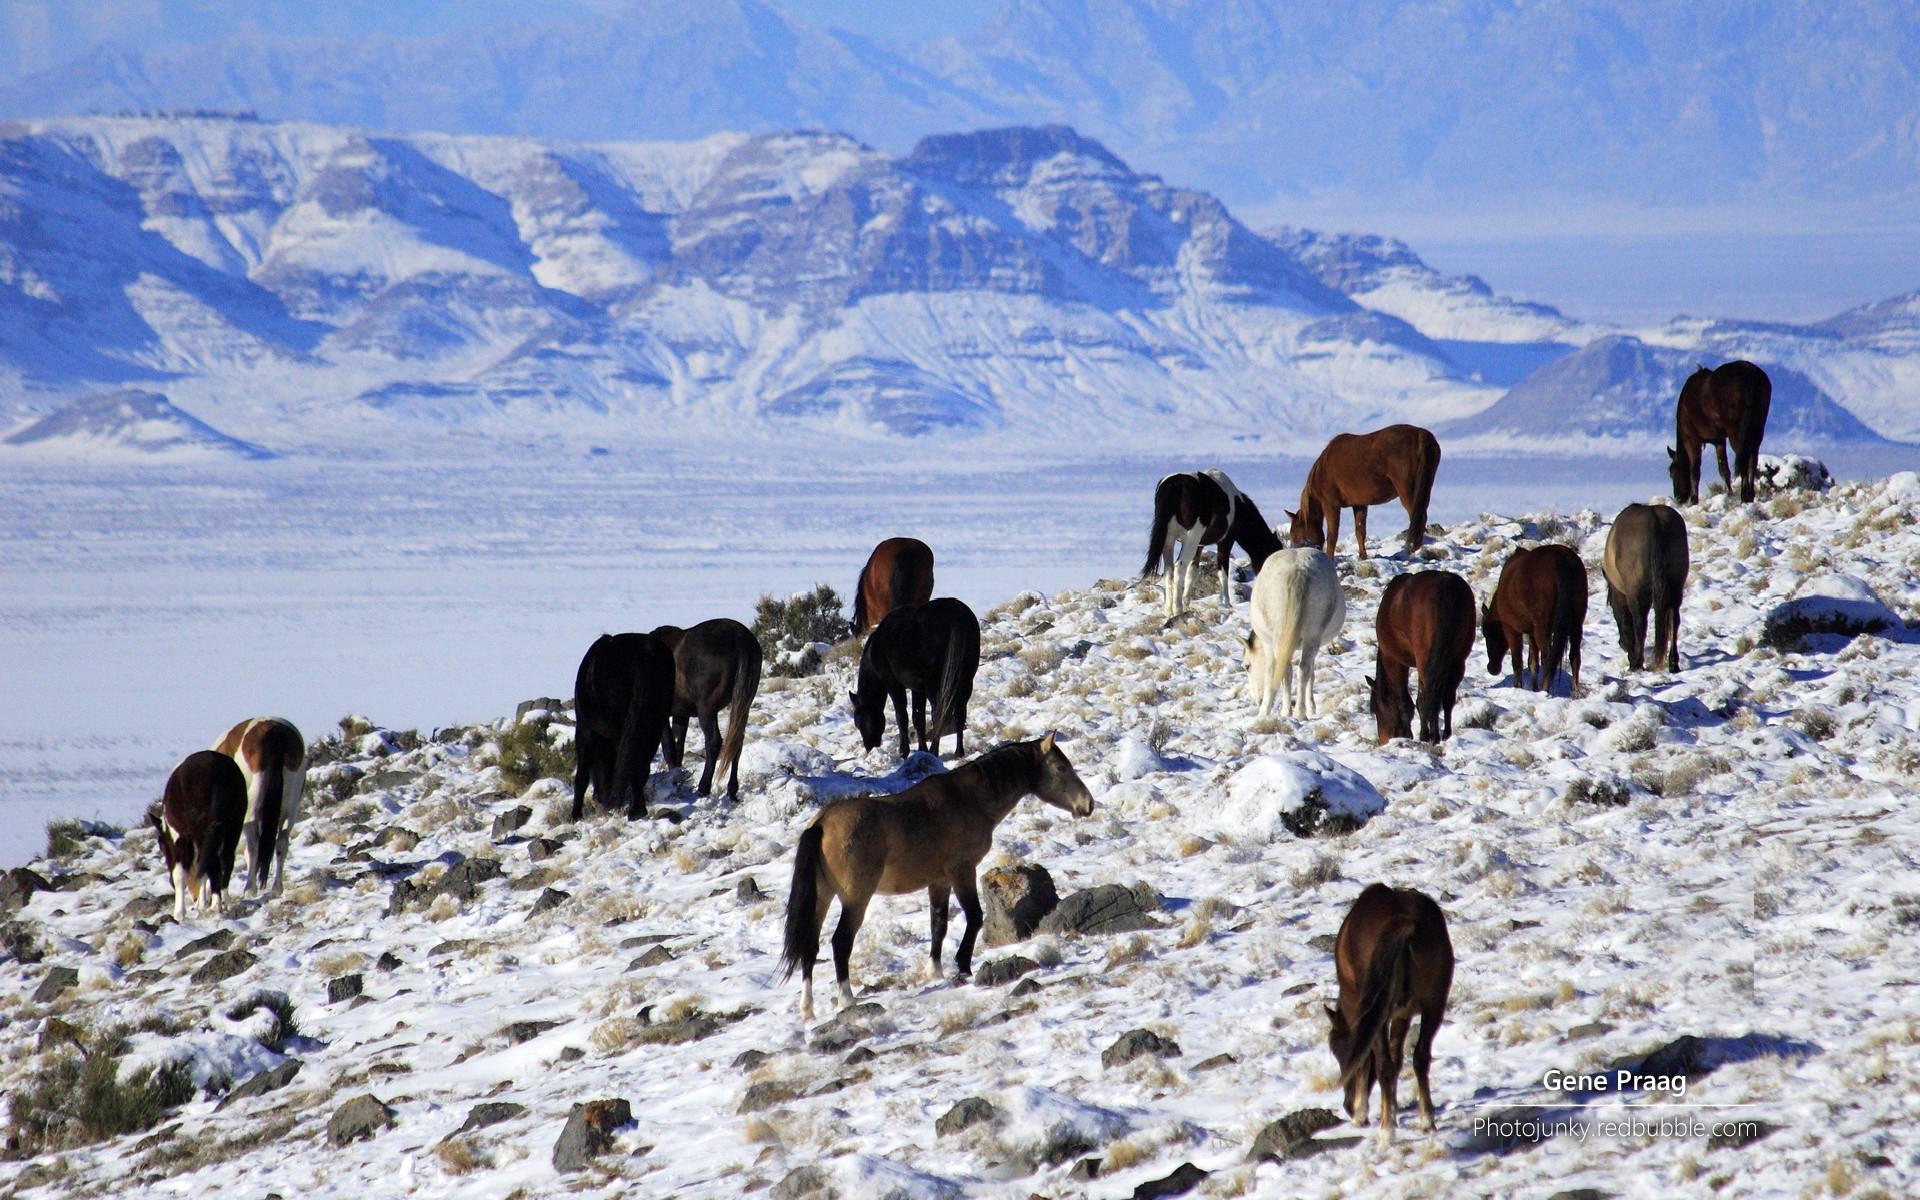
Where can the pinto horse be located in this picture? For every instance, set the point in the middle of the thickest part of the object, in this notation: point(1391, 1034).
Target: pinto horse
point(931, 649)
point(272, 758)
point(899, 571)
point(1646, 570)
point(1542, 596)
point(932, 836)
point(199, 818)
point(1425, 622)
point(1394, 962)
point(1196, 509)
point(622, 699)
point(1297, 606)
point(1358, 469)
point(1730, 402)
point(716, 665)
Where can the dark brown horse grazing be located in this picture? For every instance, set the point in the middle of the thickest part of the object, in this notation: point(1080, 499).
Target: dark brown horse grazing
point(931, 649)
point(1646, 569)
point(199, 819)
point(932, 836)
point(716, 665)
point(1542, 598)
point(1394, 961)
point(1193, 509)
point(1728, 403)
point(622, 697)
point(1425, 622)
point(272, 757)
point(899, 571)
point(1358, 469)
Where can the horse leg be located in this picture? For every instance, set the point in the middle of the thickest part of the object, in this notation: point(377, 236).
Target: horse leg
point(1390, 1077)
point(1226, 571)
point(1720, 456)
point(1333, 527)
point(900, 718)
point(583, 762)
point(968, 893)
point(852, 912)
point(1308, 653)
point(937, 906)
point(1360, 528)
point(710, 739)
point(1423, 1064)
point(822, 901)
point(920, 702)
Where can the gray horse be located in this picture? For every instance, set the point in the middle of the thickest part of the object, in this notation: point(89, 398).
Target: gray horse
point(1646, 568)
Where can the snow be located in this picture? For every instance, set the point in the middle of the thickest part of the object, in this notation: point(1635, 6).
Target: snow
point(1271, 788)
point(1838, 599)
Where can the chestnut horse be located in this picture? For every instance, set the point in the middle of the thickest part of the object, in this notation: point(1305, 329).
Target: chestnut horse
point(1425, 622)
point(1646, 570)
point(1730, 402)
point(932, 649)
point(199, 819)
point(1195, 509)
point(932, 836)
point(1394, 962)
point(716, 665)
point(272, 758)
point(1542, 597)
point(622, 699)
point(1358, 469)
point(899, 571)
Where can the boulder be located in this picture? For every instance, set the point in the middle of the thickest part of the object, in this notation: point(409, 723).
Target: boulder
point(510, 822)
point(1107, 909)
point(262, 1082)
point(344, 987)
point(1015, 900)
point(998, 971)
point(1184, 1179)
point(1292, 1135)
point(17, 887)
point(964, 1115)
point(588, 1133)
point(550, 899)
point(223, 966)
point(1136, 1042)
point(56, 981)
point(358, 1119)
point(490, 1112)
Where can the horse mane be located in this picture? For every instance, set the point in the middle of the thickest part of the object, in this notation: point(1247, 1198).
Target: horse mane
point(1008, 764)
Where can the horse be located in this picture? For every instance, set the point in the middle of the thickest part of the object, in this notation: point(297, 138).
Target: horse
point(1646, 569)
point(1297, 605)
point(932, 649)
point(622, 699)
point(198, 820)
point(716, 664)
point(1196, 509)
point(899, 571)
point(1542, 596)
point(272, 758)
point(1394, 961)
point(932, 836)
point(1425, 622)
point(1358, 469)
point(1728, 402)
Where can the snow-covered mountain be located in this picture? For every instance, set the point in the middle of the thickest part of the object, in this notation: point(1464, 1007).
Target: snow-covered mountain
point(129, 424)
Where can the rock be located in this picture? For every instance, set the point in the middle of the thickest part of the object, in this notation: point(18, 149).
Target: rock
point(1136, 1042)
point(836, 1037)
point(388, 960)
point(1184, 1179)
point(1108, 909)
point(1079, 648)
point(397, 838)
point(455, 946)
point(358, 1119)
point(490, 1112)
point(654, 957)
point(550, 899)
point(766, 1094)
point(1015, 899)
point(547, 704)
point(1685, 1055)
point(219, 939)
point(998, 971)
point(1218, 1060)
point(56, 981)
point(1323, 942)
point(1026, 987)
point(589, 1133)
point(344, 987)
point(511, 821)
point(1738, 1134)
point(17, 887)
point(801, 1182)
point(1299, 793)
point(965, 1115)
point(747, 891)
point(19, 943)
point(571, 1054)
point(541, 849)
point(223, 966)
point(687, 1029)
point(387, 779)
point(262, 1082)
point(861, 1054)
point(1086, 1169)
point(1587, 1030)
point(526, 1031)
point(747, 1060)
point(1581, 1194)
point(142, 908)
point(463, 880)
point(1288, 1137)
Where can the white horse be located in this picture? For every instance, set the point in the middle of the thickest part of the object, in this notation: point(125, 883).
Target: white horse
point(273, 760)
point(1297, 605)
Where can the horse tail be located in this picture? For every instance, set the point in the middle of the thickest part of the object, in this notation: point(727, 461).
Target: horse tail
point(1561, 626)
point(1157, 536)
point(1662, 595)
point(1441, 673)
point(1293, 614)
point(802, 943)
point(746, 684)
point(956, 673)
point(1385, 989)
point(860, 605)
point(1428, 466)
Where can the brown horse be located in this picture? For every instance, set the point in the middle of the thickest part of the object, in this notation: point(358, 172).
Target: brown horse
point(899, 571)
point(1730, 402)
point(1195, 509)
point(272, 758)
point(622, 699)
point(716, 665)
point(1394, 961)
point(1358, 469)
point(199, 819)
point(1541, 596)
point(1425, 622)
point(1646, 570)
point(932, 649)
point(932, 836)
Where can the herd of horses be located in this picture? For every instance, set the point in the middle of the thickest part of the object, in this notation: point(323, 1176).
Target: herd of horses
point(635, 694)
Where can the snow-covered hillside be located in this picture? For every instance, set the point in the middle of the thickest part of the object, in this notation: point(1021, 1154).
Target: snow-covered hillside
point(1709, 871)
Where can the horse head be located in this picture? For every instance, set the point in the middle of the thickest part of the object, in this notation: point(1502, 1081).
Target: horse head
point(1060, 784)
point(1302, 530)
point(1340, 1041)
point(166, 838)
point(1681, 477)
point(1496, 637)
point(1392, 709)
point(869, 716)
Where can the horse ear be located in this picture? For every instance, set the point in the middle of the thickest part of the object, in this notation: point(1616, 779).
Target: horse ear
point(1046, 743)
point(1369, 680)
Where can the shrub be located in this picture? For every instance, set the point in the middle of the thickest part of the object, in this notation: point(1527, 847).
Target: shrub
point(1608, 793)
point(65, 838)
point(790, 631)
point(285, 1025)
point(80, 1098)
point(527, 754)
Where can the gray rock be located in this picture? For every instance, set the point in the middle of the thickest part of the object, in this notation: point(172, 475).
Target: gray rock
point(589, 1133)
point(526, 1031)
point(388, 960)
point(765, 1094)
point(541, 849)
point(1085, 1170)
point(1026, 987)
point(557, 708)
point(1289, 1137)
point(219, 939)
point(1583, 1193)
point(747, 891)
point(1740, 1134)
point(1136, 1042)
point(861, 1054)
point(654, 957)
point(1588, 1029)
point(1015, 900)
point(1184, 1179)
point(223, 966)
point(998, 971)
point(571, 1054)
point(462, 881)
point(1323, 942)
point(747, 1060)
point(261, 1082)
point(344, 987)
point(358, 1119)
point(17, 887)
point(1108, 909)
point(802, 1183)
point(490, 1112)
point(397, 838)
point(550, 899)
point(511, 821)
point(837, 1037)
point(20, 944)
point(965, 1115)
point(56, 981)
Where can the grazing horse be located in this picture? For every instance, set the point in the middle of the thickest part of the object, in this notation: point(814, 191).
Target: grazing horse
point(899, 571)
point(272, 758)
point(1425, 622)
point(622, 699)
point(1728, 402)
point(716, 665)
point(1196, 509)
point(198, 819)
point(1297, 605)
point(1646, 569)
point(1358, 469)
point(932, 836)
point(1394, 961)
point(1542, 597)
point(932, 649)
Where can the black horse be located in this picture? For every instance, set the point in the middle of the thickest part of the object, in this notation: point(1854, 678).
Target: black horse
point(716, 665)
point(622, 697)
point(932, 649)
point(1192, 509)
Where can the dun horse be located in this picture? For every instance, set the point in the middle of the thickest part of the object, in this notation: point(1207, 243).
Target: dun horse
point(198, 819)
point(1646, 569)
point(1358, 469)
point(272, 758)
point(1394, 961)
point(1297, 606)
point(899, 571)
point(622, 698)
point(1728, 403)
point(1425, 622)
point(932, 836)
point(716, 665)
point(1192, 510)
point(1542, 598)
point(930, 649)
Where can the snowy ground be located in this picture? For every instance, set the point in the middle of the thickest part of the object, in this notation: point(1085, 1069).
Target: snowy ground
point(1756, 889)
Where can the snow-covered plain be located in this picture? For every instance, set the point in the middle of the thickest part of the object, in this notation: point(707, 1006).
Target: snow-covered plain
point(1754, 888)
